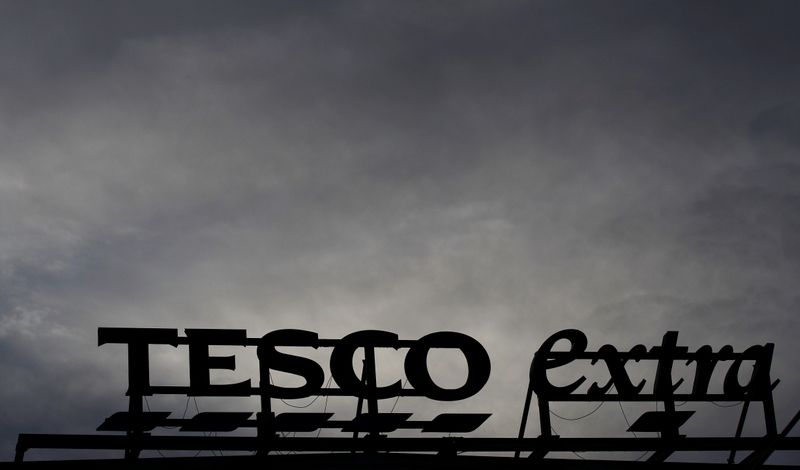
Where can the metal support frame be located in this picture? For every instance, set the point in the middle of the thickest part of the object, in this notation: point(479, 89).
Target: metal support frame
point(398, 444)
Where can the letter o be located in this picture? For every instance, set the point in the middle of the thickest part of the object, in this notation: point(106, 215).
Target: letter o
point(478, 365)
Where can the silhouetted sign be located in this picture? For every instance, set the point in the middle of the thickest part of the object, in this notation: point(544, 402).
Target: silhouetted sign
point(554, 357)
point(617, 387)
point(757, 386)
point(350, 382)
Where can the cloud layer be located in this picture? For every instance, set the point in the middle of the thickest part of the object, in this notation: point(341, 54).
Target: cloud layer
point(503, 171)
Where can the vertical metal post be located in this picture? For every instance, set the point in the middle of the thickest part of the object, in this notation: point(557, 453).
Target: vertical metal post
point(544, 417)
point(769, 415)
point(372, 398)
point(360, 404)
point(135, 411)
point(739, 428)
point(525, 410)
point(264, 427)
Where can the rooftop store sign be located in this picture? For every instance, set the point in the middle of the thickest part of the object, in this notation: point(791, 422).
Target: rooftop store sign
point(341, 360)
point(757, 386)
point(554, 356)
point(364, 387)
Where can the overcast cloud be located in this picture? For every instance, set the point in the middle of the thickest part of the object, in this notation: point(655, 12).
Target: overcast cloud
point(501, 169)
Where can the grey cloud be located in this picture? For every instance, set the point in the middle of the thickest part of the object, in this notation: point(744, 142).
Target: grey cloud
point(775, 132)
point(505, 171)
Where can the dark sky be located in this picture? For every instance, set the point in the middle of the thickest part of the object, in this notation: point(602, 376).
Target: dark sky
point(501, 169)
